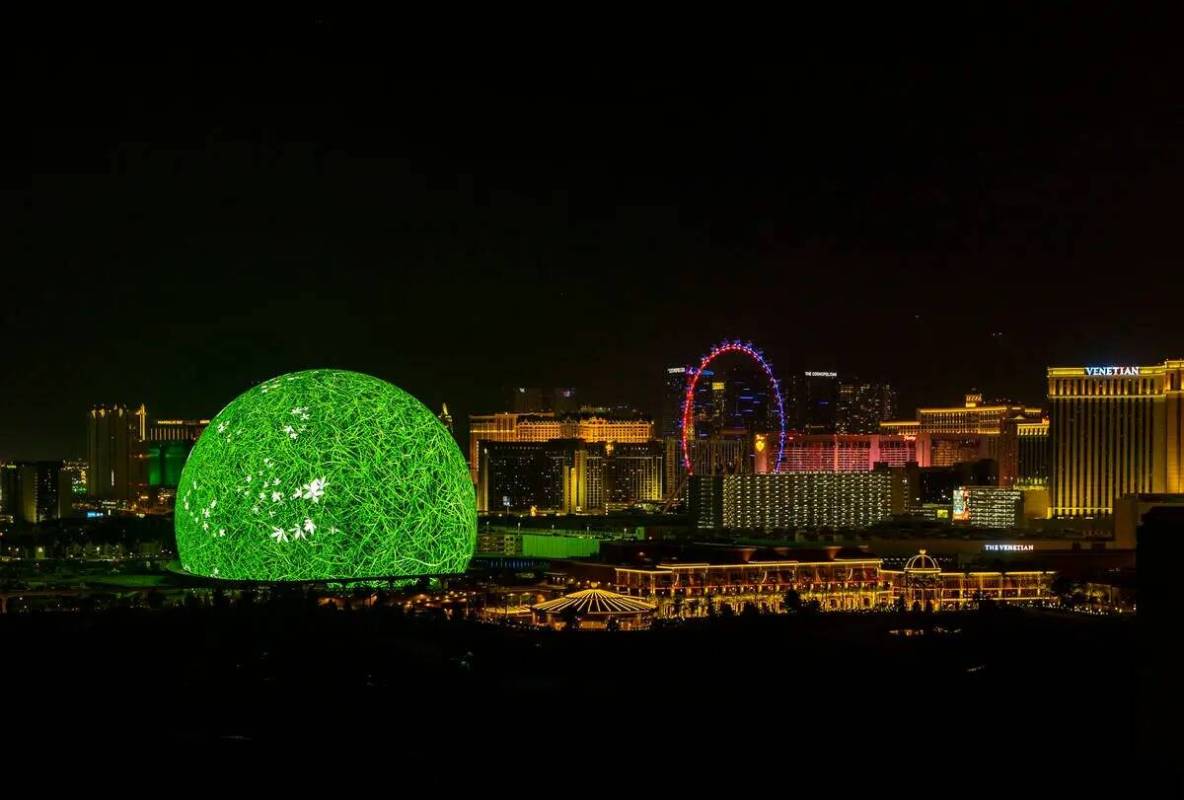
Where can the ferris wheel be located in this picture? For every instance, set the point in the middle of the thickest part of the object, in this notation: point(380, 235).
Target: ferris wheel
point(688, 404)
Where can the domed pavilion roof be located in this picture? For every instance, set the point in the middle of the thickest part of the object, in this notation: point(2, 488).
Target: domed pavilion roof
point(922, 562)
point(594, 602)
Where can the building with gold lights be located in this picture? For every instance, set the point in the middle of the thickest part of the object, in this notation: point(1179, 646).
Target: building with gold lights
point(1114, 430)
point(922, 583)
point(836, 581)
point(568, 476)
point(547, 426)
point(111, 434)
point(1032, 453)
point(975, 430)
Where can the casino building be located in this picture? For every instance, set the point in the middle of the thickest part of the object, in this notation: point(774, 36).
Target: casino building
point(1114, 431)
point(852, 452)
point(550, 426)
point(835, 580)
point(1032, 453)
point(568, 476)
point(973, 431)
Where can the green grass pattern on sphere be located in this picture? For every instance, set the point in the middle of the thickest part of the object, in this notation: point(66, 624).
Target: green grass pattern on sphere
point(325, 474)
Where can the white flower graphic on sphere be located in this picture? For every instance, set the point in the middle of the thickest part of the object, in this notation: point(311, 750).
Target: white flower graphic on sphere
point(301, 532)
point(315, 489)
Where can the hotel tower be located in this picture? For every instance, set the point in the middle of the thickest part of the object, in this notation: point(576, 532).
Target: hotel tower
point(1112, 431)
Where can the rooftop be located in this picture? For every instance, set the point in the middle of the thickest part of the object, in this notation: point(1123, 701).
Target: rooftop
point(594, 602)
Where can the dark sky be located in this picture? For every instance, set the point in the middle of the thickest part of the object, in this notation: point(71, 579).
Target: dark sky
point(943, 212)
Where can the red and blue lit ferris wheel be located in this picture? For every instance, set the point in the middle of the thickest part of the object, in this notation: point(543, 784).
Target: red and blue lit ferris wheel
point(688, 403)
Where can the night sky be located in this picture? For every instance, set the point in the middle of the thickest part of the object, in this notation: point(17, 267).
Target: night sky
point(942, 215)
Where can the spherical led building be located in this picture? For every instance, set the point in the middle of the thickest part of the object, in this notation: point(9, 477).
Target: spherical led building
point(325, 474)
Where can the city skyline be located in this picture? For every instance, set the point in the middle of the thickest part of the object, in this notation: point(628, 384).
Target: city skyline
point(960, 221)
point(652, 407)
point(511, 407)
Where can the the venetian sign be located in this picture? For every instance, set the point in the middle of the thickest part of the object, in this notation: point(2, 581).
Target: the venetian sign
point(1106, 372)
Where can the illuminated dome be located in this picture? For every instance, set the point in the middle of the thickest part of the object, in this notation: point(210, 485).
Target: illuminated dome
point(922, 562)
point(594, 608)
point(325, 474)
point(594, 602)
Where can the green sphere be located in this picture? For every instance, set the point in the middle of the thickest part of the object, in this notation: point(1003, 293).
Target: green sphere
point(325, 474)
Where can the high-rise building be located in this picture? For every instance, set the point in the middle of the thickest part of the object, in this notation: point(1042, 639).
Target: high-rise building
point(1032, 453)
point(539, 400)
point(529, 400)
point(709, 412)
point(175, 430)
point(863, 406)
point(705, 501)
point(35, 491)
point(814, 401)
point(732, 409)
point(164, 462)
point(165, 450)
point(543, 427)
point(568, 475)
point(674, 389)
point(564, 400)
point(748, 406)
point(110, 436)
point(1113, 431)
point(788, 501)
point(987, 507)
point(714, 455)
point(9, 491)
point(519, 476)
point(632, 473)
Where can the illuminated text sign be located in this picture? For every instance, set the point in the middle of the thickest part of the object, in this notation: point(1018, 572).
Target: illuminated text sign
point(1099, 372)
point(1009, 548)
point(822, 374)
